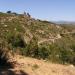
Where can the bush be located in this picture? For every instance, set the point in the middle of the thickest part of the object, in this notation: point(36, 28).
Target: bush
point(16, 40)
point(32, 48)
point(66, 56)
point(43, 53)
point(9, 12)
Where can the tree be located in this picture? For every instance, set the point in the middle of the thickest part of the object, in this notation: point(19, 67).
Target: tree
point(9, 12)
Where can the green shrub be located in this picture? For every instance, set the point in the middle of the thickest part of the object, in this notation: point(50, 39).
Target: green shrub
point(43, 53)
point(35, 66)
point(32, 48)
point(15, 40)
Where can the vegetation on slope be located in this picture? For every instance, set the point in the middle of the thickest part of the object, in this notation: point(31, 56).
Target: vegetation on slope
point(23, 34)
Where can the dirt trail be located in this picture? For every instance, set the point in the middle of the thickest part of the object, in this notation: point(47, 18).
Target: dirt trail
point(50, 39)
point(33, 66)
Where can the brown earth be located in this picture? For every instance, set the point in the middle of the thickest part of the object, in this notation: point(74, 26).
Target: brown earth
point(31, 66)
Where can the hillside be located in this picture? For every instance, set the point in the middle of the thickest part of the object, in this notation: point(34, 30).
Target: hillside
point(27, 26)
point(43, 40)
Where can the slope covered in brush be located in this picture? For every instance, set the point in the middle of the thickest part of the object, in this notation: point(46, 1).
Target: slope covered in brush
point(27, 36)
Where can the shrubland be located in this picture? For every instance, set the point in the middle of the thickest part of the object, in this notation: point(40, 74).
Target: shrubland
point(23, 35)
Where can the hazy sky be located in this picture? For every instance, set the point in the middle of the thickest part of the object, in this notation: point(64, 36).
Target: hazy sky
point(42, 9)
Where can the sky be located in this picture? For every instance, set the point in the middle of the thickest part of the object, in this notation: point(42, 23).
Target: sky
point(52, 10)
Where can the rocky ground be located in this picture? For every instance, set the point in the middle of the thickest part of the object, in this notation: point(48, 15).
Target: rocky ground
point(31, 66)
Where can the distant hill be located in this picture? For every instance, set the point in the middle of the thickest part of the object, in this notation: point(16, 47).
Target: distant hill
point(65, 22)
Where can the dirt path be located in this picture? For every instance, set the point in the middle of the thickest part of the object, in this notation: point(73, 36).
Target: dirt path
point(40, 67)
point(51, 39)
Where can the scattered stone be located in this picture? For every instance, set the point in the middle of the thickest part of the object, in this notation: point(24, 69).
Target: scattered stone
point(72, 66)
point(5, 25)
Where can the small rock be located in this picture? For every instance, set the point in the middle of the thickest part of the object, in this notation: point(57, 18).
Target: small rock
point(5, 25)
